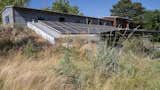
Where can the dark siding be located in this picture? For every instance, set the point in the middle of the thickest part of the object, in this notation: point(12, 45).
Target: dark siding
point(24, 15)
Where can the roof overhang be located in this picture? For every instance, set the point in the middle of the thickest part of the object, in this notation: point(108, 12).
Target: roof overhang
point(10, 6)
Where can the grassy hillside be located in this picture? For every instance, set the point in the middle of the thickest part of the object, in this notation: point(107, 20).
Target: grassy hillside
point(35, 65)
point(20, 39)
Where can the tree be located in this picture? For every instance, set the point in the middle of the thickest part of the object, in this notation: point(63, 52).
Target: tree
point(152, 20)
point(63, 6)
point(4, 3)
point(122, 8)
point(128, 9)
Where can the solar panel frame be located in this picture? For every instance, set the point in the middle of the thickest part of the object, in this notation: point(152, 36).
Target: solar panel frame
point(55, 26)
point(68, 29)
point(77, 28)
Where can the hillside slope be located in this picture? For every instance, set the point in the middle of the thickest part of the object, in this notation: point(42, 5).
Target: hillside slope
point(27, 62)
point(18, 38)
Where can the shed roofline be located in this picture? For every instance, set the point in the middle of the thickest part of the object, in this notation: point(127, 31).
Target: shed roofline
point(12, 6)
point(115, 17)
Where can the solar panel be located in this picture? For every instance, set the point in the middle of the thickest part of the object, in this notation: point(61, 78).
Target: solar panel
point(77, 28)
point(67, 28)
point(55, 26)
point(73, 27)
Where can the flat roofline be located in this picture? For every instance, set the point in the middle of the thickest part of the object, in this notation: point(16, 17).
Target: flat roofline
point(12, 6)
point(115, 17)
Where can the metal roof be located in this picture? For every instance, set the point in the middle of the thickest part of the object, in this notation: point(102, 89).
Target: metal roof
point(48, 11)
point(77, 28)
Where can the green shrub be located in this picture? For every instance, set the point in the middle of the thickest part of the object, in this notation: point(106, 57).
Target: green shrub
point(136, 74)
point(30, 49)
point(106, 61)
point(67, 68)
point(6, 45)
point(1, 84)
point(155, 54)
point(138, 46)
point(155, 38)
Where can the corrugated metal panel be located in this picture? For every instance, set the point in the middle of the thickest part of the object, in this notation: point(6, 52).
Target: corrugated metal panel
point(77, 28)
point(45, 32)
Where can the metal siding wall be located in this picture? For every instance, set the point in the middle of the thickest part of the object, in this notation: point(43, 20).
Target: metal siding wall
point(19, 19)
point(8, 12)
point(24, 16)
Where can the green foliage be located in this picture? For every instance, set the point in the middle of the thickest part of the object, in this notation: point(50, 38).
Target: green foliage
point(123, 70)
point(5, 45)
point(133, 45)
point(106, 60)
point(137, 74)
point(20, 3)
point(155, 38)
point(128, 9)
point(66, 65)
point(67, 68)
point(152, 20)
point(109, 69)
point(30, 49)
point(122, 8)
point(138, 46)
point(101, 66)
point(4, 3)
point(155, 54)
point(63, 6)
point(1, 84)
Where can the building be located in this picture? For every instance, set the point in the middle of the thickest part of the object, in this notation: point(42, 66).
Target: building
point(52, 25)
point(20, 16)
point(119, 22)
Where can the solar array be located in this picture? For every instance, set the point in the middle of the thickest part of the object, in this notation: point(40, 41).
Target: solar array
point(77, 28)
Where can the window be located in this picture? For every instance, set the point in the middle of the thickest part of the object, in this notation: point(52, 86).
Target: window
point(109, 23)
point(61, 19)
point(89, 22)
point(100, 23)
point(41, 18)
point(7, 19)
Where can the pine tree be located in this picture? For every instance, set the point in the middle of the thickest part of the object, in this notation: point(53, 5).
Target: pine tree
point(122, 8)
point(128, 9)
point(152, 20)
point(63, 6)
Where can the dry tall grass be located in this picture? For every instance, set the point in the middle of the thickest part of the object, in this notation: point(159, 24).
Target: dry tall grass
point(81, 67)
point(71, 69)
